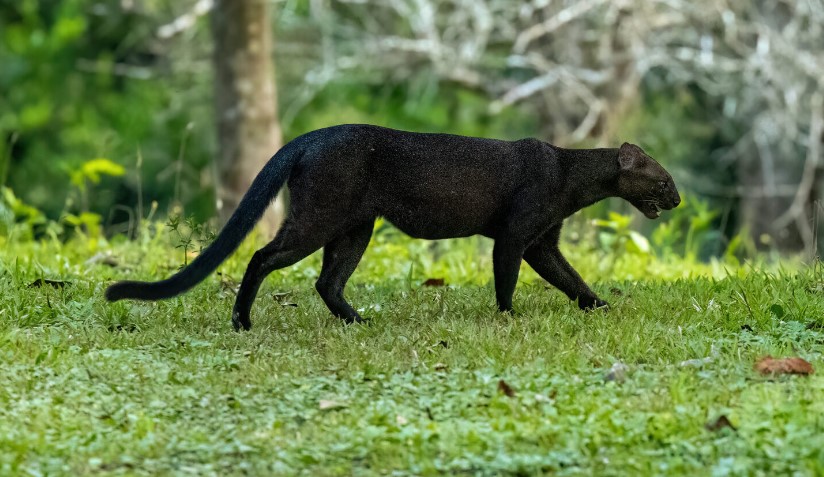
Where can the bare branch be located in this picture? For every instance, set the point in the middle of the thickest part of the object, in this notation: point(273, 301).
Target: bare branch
point(571, 13)
point(185, 21)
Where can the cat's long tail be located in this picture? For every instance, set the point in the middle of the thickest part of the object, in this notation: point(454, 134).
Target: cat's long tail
point(251, 208)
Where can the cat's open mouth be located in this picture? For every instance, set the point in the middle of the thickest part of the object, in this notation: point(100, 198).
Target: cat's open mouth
point(651, 210)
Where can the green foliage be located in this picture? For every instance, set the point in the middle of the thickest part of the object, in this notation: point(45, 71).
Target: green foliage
point(21, 220)
point(689, 232)
point(92, 170)
point(13, 211)
point(86, 224)
point(160, 388)
point(618, 237)
point(83, 79)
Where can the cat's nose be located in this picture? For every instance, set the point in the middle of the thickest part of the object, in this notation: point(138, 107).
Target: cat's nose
point(677, 200)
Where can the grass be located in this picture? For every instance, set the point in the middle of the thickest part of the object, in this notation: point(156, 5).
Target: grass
point(167, 388)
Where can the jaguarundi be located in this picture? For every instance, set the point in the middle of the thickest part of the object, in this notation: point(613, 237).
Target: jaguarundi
point(430, 186)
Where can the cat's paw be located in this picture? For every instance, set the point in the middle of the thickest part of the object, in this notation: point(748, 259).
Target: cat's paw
point(241, 322)
point(356, 320)
point(592, 303)
point(507, 310)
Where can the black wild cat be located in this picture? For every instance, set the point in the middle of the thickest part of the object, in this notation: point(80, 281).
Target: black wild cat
point(430, 186)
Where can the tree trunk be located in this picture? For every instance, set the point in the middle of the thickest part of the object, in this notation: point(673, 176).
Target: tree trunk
point(761, 209)
point(247, 125)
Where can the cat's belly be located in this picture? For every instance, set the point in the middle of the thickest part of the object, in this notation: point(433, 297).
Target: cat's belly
point(442, 203)
point(439, 221)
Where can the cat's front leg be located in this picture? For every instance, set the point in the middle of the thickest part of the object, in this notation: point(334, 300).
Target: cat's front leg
point(546, 259)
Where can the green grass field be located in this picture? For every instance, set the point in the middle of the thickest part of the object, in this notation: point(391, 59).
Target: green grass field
point(90, 388)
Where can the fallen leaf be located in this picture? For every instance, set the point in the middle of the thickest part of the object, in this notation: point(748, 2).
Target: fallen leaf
point(52, 283)
point(505, 388)
point(325, 405)
point(816, 288)
point(718, 424)
point(769, 365)
point(617, 373)
point(434, 282)
point(280, 297)
point(229, 285)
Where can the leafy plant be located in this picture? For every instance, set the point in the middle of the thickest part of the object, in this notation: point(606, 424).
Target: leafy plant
point(189, 234)
point(91, 172)
point(617, 236)
point(688, 230)
point(17, 215)
point(87, 224)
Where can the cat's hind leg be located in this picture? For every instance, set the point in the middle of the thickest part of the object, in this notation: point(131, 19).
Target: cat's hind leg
point(292, 243)
point(340, 258)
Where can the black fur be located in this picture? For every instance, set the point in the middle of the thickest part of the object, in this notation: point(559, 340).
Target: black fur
point(430, 186)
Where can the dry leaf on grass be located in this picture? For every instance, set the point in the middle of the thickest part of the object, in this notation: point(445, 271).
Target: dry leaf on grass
point(227, 285)
point(434, 282)
point(505, 388)
point(769, 365)
point(720, 423)
point(617, 373)
point(281, 298)
point(326, 404)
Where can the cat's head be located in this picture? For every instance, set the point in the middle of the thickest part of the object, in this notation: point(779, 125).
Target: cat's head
point(644, 183)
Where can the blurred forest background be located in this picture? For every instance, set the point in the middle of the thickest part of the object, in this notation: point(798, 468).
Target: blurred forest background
point(109, 107)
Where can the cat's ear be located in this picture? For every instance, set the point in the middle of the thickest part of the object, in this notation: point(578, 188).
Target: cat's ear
point(629, 156)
